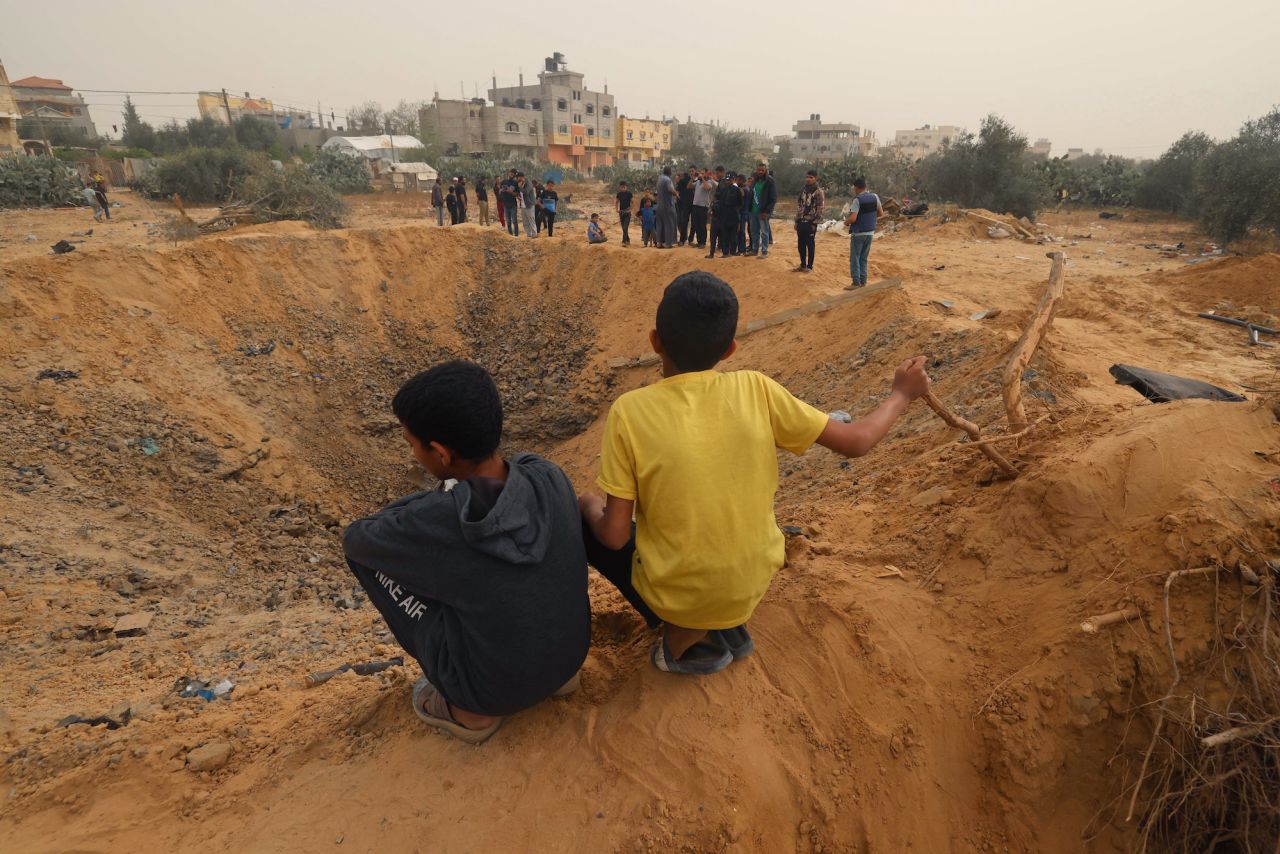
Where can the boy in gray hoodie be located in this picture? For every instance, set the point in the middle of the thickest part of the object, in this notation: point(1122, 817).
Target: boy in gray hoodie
point(485, 585)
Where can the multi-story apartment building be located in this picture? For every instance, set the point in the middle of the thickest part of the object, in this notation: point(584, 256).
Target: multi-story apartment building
point(816, 140)
point(475, 127)
point(52, 104)
point(578, 123)
point(9, 116)
point(643, 142)
point(920, 142)
point(1042, 147)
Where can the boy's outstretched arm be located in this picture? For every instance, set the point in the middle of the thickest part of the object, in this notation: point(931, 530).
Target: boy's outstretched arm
point(609, 519)
point(853, 440)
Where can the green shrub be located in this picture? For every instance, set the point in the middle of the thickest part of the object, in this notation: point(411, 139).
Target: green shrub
point(1237, 184)
point(989, 171)
point(37, 182)
point(1167, 184)
point(638, 180)
point(293, 193)
point(202, 175)
point(341, 172)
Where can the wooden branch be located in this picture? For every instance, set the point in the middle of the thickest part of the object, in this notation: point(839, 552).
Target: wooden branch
point(977, 445)
point(1093, 624)
point(1030, 340)
point(1230, 735)
point(972, 429)
point(1012, 227)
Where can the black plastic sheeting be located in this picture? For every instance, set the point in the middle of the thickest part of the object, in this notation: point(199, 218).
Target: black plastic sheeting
point(1162, 388)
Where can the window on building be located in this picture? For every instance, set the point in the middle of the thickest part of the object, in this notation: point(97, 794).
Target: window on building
point(591, 110)
point(577, 96)
point(604, 111)
point(520, 103)
point(665, 137)
point(512, 127)
point(564, 128)
point(536, 104)
point(608, 132)
point(629, 133)
point(472, 112)
point(643, 136)
point(591, 131)
point(506, 102)
point(533, 129)
point(562, 104)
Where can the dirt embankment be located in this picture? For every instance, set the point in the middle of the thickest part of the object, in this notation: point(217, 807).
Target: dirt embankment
point(227, 411)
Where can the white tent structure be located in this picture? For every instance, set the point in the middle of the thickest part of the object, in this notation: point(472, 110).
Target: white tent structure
point(388, 148)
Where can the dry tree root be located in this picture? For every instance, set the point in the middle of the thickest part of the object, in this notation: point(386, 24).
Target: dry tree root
point(1030, 340)
point(1211, 772)
point(973, 430)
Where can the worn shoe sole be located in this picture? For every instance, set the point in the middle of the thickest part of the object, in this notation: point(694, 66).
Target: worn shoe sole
point(702, 659)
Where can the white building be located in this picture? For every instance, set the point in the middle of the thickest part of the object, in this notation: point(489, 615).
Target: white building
point(920, 142)
point(385, 148)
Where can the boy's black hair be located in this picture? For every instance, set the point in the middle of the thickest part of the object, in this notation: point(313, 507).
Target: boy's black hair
point(860, 183)
point(622, 183)
point(697, 319)
point(456, 404)
point(813, 172)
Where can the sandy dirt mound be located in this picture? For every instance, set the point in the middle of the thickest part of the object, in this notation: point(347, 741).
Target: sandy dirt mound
point(218, 410)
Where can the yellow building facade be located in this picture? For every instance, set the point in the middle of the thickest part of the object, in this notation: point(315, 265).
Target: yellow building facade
point(643, 142)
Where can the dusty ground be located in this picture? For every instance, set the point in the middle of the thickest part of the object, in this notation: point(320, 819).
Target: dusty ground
point(230, 413)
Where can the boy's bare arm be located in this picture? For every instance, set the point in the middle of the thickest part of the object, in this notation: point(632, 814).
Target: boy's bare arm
point(609, 519)
point(853, 440)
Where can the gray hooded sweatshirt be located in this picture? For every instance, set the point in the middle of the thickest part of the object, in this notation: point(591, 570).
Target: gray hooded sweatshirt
point(506, 620)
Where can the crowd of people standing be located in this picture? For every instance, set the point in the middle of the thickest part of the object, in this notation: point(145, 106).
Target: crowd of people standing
point(703, 208)
point(520, 202)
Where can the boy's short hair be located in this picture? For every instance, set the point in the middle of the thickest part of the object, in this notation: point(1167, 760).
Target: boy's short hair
point(595, 216)
point(622, 183)
point(860, 183)
point(697, 319)
point(813, 172)
point(456, 404)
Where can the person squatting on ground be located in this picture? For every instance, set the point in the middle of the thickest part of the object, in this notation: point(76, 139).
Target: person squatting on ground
point(528, 199)
point(484, 585)
point(861, 222)
point(92, 198)
point(666, 210)
point(548, 202)
point(693, 459)
point(595, 231)
point(764, 197)
point(809, 208)
point(622, 204)
point(437, 201)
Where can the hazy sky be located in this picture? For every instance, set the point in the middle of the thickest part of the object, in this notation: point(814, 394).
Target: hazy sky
point(1128, 76)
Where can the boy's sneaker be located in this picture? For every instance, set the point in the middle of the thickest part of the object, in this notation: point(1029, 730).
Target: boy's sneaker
point(737, 640)
point(705, 657)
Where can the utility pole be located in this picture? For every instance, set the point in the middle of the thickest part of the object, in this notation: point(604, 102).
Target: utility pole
point(226, 104)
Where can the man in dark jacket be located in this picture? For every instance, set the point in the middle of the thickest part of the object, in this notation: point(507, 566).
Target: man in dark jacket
point(484, 585)
point(684, 204)
point(727, 210)
point(764, 199)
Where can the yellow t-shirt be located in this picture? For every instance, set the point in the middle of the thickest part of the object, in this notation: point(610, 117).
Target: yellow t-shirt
point(696, 454)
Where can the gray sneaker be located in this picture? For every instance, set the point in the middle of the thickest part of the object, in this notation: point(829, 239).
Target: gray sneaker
point(705, 657)
point(737, 640)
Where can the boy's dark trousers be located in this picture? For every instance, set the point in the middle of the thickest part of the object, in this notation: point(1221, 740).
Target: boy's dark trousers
point(616, 567)
point(805, 234)
point(715, 234)
point(624, 219)
point(549, 220)
point(682, 223)
point(403, 627)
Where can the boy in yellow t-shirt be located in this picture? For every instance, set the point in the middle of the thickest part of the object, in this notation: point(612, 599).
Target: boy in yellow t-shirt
point(693, 458)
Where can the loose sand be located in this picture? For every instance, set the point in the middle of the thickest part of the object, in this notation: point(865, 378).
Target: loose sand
point(956, 706)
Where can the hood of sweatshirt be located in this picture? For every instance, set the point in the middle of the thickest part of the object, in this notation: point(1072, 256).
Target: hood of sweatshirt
point(518, 526)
